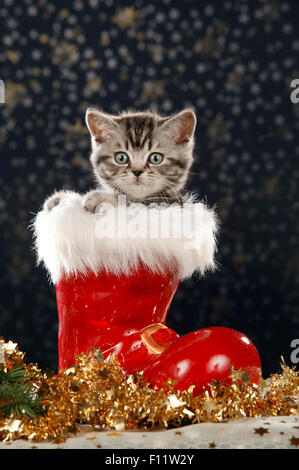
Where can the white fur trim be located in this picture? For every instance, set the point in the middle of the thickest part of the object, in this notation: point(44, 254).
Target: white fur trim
point(70, 240)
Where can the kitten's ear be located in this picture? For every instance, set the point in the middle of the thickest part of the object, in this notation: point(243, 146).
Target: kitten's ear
point(101, 125)
point(181, 126)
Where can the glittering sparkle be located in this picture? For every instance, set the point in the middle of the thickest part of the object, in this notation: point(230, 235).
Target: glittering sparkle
point(99, 393)
point(127, 17)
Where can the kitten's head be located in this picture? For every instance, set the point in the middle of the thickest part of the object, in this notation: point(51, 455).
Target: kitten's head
point(141, 154)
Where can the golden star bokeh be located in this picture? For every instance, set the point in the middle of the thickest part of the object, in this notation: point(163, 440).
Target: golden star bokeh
point(126, 17)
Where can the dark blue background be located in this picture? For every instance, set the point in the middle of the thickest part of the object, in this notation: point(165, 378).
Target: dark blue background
point(233, 61)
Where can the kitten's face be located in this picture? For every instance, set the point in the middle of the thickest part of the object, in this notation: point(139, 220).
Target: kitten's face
point(141, 154)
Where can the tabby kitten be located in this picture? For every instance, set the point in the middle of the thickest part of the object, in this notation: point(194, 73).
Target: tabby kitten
point(142, 155)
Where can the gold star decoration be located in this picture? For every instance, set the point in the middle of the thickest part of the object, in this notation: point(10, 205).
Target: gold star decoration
point(76, 130)
point(44, 38)
point(126, 17)
point(157, 52)
point(10, 347)
point(263, 383)
point(153, 89)
point(294, 441)
point(105, 40)
point(206, 46)
point(14, 92)
point(13, 56)
point(239, 374)
point(94, 84)
point(210, 406)
point(217, 127)
point(98, 392)
point(64, 13)
point(261, 431)
point(65, 52)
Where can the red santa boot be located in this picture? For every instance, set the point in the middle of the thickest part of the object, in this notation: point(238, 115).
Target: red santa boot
point(113, 312)
point(116, 273)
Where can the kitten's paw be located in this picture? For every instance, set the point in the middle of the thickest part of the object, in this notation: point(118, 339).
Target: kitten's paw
point(92, 199)
point(51, 202)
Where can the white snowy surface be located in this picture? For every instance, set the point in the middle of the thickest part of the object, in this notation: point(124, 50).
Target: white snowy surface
point(238, 434)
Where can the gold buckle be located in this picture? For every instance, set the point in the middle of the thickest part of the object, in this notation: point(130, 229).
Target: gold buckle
point(150, 343)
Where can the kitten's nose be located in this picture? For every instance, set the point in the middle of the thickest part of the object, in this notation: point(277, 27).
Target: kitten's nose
point(137, 172)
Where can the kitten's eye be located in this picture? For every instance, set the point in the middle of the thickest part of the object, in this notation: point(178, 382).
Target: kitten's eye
point(155, 158)
point(121, 158)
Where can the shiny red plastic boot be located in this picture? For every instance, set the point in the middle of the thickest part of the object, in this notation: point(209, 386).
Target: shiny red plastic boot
point(126, 316)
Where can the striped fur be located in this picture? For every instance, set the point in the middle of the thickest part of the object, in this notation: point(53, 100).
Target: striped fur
point(139, 134)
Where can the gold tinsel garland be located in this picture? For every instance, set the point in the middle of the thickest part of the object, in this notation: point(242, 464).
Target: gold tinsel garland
point(99, 393)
